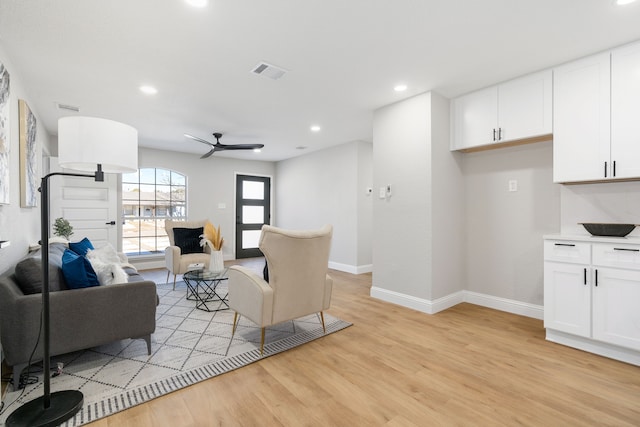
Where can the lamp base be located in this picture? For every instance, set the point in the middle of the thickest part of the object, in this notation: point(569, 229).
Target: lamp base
point(64, 405)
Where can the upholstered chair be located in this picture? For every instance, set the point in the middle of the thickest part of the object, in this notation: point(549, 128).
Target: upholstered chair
point(298, 281)
point(175, 260)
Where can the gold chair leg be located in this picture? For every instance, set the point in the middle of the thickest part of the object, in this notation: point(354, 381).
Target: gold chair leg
point(262, 342)
point(322, 319)
point(235, 324)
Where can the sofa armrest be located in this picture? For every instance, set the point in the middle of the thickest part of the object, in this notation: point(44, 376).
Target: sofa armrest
point(250, 295)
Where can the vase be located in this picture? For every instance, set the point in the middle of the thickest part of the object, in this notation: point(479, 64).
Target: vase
point(216, 262)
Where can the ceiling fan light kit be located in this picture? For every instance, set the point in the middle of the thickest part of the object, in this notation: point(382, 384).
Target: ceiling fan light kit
point(222, 147)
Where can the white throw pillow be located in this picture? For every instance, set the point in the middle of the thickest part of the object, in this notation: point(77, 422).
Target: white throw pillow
point(106, 263)
point(106, 254)
point(109, 273)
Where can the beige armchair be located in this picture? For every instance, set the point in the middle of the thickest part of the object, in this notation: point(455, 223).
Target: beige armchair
point(298, 281)
point(175, 261)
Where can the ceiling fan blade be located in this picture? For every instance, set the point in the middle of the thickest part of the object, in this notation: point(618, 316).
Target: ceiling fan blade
point(195, 138)
point(204, 156)
point(239, 146)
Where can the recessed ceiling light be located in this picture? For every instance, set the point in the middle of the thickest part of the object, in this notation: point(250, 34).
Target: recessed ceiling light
point(148, 90)
point(315, 128)
point(257, 150)
point(400, 88)
point(197, 3)
point(623, 2)
point(301, 147)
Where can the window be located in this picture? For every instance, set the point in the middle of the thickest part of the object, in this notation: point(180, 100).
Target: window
point(150, 196)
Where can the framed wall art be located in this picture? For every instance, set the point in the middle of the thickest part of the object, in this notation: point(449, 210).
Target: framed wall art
point(5, 141)
point(28, 157)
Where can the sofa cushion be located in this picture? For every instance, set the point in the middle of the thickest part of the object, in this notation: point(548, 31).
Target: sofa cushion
point(77, 271)
point(81, 247)
point(188, 239)
point(29, 271)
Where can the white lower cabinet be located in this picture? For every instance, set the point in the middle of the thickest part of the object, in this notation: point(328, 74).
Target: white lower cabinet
point(616, 298)
point(592, 296)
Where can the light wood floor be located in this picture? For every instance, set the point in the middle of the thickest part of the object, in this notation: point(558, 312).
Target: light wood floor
point(467, 366)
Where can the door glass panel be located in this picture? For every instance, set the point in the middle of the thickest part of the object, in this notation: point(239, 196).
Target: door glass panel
point(253, 190)
point(253, 214)
point(250, 238)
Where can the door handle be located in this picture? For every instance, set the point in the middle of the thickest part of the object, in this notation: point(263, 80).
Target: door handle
point(110, 223)
point(585, 276)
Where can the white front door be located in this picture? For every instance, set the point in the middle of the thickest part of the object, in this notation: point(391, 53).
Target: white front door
point(90, 207)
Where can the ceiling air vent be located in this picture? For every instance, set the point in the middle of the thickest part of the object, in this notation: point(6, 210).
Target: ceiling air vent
point(67, 107)
point(268, 70)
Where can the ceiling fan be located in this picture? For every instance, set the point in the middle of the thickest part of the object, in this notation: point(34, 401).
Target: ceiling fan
point(222, 147)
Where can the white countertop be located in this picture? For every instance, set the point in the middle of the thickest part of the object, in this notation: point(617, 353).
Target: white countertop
point(634, 240)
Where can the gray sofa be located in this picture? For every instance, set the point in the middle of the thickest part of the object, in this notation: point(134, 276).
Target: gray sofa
point(80, 318)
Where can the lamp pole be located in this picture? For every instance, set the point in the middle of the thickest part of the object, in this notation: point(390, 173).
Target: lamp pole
point(50, 409)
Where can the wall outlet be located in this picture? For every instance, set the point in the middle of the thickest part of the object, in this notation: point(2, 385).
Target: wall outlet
point(382, 193)
point(513, 185)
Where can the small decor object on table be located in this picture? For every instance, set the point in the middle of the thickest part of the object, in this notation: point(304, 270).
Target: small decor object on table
point(214, 240)
point(198, 266)
point(62, 228)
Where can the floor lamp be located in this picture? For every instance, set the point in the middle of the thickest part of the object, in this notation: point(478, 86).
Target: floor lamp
point(84, 144)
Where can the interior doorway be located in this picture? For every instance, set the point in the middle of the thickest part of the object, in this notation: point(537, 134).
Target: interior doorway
point(253, 210)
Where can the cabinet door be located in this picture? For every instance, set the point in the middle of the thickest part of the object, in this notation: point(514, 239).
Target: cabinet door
point(581, 121)
point(616, 299)
point(567, 298)
point(524, 107)
point(475, 117)
point(625, 105)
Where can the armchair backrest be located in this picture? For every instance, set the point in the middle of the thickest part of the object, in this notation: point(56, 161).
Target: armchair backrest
point(169, 225)
point(298, 263)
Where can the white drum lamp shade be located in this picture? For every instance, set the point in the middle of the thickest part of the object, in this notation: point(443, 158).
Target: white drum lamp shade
point(85, 142)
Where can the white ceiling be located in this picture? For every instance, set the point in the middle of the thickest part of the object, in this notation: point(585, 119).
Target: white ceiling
point(343, 56)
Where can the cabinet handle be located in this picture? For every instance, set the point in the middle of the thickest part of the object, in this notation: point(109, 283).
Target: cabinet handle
point(625, 249)
point(494, 134)
point(564, 244)
point(585, 276)
point(499, 134)
point(596, 277)
point(605, 169)
point(614, 168)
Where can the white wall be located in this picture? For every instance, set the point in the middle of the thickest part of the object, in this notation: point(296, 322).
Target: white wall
point(21, 226)
point(504, 250)
point(365, 204)
point(417, 244)
point(326, 187)
point(210, 182)
point(603, 202)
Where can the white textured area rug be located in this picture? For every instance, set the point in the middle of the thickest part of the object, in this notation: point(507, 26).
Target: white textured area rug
point(188, 346)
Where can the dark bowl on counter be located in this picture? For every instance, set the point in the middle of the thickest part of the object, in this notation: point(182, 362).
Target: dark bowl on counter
point(609, 230)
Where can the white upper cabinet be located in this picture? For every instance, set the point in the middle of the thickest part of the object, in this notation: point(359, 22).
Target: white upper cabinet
point(625, 111)
point(581, 120)
point(596, 129)
point(475, 119)
point(515, 110)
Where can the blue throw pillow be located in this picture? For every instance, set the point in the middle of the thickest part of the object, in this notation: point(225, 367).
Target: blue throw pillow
point(77, 271)
point(81, 247)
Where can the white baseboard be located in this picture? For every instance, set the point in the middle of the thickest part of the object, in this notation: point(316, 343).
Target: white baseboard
point(440, 304)
point(353, 269)
point(504, 304)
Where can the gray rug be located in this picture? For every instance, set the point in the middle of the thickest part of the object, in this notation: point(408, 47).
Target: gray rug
point(188, 346)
